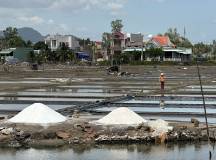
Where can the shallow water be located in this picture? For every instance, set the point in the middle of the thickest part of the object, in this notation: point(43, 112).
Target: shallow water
point(19, 107)
point(185, 102)
point(51, 99)
point(25, 82)
point(197, 151)
point(62, 94)
point(158, 109)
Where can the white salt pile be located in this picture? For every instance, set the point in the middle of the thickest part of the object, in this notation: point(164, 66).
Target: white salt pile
point(122, 116)
point(38, 113)
point(159, 125)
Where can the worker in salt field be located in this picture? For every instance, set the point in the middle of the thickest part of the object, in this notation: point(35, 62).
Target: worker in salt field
point(162, 81)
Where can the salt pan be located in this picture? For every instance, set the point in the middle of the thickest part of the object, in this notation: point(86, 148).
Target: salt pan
point(38, 113)
point(122, 116)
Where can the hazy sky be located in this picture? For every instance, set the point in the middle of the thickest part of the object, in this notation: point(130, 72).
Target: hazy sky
point(90, 18)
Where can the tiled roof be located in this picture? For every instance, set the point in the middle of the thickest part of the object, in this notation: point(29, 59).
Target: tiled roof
point(163, 41)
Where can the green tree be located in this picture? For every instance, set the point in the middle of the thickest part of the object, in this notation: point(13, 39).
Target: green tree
point(214, 49)
point(155, 53)
point(40, 46)
point(29, 44)
point(63, 54)
point(116, 25)
point(32, 57)
point(201, 48)
point(177, 39)
point(12, 38)
point(85, 42)
point(10, 32)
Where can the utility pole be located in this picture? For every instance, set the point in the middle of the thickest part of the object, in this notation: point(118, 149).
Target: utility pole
point(184, 32)
point(204, 107)
point(142, 54)
point(93, 52)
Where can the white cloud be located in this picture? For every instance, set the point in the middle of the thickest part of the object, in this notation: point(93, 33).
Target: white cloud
point(115, 6)
point(62, 4)
point(31, 19)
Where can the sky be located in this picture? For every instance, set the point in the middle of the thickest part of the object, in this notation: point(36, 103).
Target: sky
point(90, 18)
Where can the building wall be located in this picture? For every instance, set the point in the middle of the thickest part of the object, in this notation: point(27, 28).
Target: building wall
point(22, 53)
point(55, 41)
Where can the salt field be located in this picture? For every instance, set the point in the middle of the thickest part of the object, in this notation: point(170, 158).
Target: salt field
point(84, 90)
point(139, 92)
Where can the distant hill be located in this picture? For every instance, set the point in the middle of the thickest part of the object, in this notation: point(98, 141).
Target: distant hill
point(28, 33)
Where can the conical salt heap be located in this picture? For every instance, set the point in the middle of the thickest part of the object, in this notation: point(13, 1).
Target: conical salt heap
point(38, 113)
point(121, 116)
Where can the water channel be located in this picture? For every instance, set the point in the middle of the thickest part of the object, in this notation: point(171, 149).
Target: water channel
point(180, 151)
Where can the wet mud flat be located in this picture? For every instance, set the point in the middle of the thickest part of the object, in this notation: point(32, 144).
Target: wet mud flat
point(80, 132)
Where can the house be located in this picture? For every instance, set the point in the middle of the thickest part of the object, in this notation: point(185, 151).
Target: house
point(117, 43)
point(171, 52)
point(134, 43)
point(134, 40)
point(56, 41)
point(20, 54)
point(98, 50)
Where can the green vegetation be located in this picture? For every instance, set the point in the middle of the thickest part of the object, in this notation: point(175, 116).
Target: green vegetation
point(177, 39)
point(116, 25)
point(12, 39)
point(155, 53)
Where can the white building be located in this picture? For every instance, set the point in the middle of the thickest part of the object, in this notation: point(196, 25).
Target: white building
point(56, 41)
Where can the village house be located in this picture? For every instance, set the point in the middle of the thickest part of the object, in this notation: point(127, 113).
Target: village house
point(56, 41)
point(171, 52)
point(134, 43)
point(98, 51)
point(19, 54)
point(117, 43)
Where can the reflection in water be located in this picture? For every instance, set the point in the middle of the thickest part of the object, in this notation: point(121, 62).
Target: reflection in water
point(181, 151)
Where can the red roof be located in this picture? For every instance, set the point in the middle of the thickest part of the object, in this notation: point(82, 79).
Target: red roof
point(163, 41)
point(119, 35)
point(98, 42)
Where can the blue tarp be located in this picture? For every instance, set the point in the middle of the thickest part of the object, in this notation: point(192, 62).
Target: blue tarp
point(83, 55)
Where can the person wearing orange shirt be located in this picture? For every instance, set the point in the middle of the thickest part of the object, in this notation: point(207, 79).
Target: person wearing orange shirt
point(162, 81)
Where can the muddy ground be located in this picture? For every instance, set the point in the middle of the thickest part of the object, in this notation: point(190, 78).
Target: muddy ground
point(180, 75)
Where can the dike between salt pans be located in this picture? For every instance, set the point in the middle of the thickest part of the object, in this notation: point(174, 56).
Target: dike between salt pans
point(38, 113)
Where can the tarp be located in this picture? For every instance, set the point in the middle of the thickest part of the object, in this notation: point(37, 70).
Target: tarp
point(82, 55)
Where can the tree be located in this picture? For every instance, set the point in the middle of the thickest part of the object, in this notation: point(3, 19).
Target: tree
point(201, 48)
point(177, 39)
point(12, 39)
point(40, 46)
point(63, 53)
point(31, 57)
point(29, 43)
point(10, 32)
point(85, 42)
point(116, 25)
point(214, 49)
point(155, 53)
